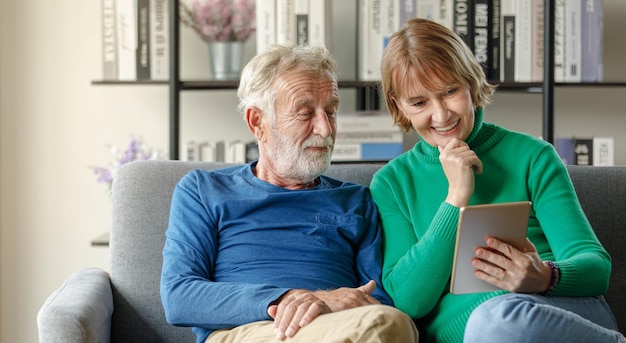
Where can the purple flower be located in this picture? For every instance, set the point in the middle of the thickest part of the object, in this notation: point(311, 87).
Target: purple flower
point(220, 20)
point(135, 151)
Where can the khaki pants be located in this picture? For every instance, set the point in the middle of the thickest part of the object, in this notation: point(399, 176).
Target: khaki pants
point(365, 324)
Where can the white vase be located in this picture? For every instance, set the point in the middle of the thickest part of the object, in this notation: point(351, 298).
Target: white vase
point(226, 60)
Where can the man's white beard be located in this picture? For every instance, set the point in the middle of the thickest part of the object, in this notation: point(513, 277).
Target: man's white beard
point(298, 163)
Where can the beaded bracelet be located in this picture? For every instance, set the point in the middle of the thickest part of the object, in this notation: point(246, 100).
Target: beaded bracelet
point(554, 280)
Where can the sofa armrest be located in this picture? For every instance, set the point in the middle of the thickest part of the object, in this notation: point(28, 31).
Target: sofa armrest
point(79, 311)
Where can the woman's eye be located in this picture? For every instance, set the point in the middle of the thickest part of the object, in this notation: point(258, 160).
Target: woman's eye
point(451, 91)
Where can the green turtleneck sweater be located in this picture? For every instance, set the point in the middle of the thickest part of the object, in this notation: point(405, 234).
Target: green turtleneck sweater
point(420, 227)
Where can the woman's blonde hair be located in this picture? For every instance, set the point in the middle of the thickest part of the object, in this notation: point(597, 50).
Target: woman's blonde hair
point(428, 53)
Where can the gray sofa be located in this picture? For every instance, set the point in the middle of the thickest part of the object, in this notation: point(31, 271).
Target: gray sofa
point(124, 304)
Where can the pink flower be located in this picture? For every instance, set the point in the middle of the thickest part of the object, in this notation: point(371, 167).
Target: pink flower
point(220, 20)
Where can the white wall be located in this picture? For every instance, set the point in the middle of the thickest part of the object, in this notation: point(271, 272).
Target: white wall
point(54, 124)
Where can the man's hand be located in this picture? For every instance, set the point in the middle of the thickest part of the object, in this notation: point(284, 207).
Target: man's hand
point(297, 308)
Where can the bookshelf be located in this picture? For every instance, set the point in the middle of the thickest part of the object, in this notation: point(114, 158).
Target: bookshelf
point(366, 92)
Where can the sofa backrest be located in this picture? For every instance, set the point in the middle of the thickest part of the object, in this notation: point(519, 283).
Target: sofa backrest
point(602, 194)
point(141, 199)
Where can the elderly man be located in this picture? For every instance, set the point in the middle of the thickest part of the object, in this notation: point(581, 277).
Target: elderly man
point(273, 250)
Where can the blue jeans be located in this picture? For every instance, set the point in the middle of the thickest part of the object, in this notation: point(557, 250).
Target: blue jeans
point(516, 317)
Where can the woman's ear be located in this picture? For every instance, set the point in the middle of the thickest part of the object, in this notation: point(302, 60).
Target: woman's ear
point(255, 120)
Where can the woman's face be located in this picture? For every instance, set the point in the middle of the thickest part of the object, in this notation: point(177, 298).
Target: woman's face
point(438, 116)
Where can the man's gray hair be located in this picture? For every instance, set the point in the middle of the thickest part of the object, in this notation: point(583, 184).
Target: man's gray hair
point(257, 83)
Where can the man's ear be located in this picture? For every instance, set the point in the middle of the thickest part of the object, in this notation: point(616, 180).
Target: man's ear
point(255, 119)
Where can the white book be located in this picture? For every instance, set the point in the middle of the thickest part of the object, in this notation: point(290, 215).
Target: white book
point(603, 151)
point(191, 151)
point(320, 23)
point(370, 137)
point(443, 11)
point(265, 24)
point(429, 9)
point(236, 152)
point(375, 41)
point(109, 44)
point(126, 26)
point(363, 39)
point(365, 121)
point(285, 22)
point(159, 40)
point(390, 19)
point(559, 40)
point(538, 12)
point(408, 10)
point(573, 11)
point(206, 152)
point(523, 40)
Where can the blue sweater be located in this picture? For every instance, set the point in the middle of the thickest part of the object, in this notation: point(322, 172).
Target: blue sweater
point(236, 243)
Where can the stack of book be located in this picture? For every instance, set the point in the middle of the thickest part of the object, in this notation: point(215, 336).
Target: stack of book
point(367, 136)
point(596, 151)
point(135, 37)
point(293, 22)
point(506, 36)
point(221, 151)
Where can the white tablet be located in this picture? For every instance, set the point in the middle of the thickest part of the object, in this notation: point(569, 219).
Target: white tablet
point(506, 221)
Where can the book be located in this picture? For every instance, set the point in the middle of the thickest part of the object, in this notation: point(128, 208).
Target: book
point(603, 151)
point(142, 53)
point(126, 34)
point(285, 22)
point(365, 121)
point(507, 41)
point(427, 9)
point(265, 24)
point(537, 24)
point(320, 23)
point(220, 151)
point(363, 39)
point(462, 22)
point(559, 40)
point(481, 34)
point(523, 40)
point(252, 151)
point(573, 9)
point(191, 151)
point(583, 151)
point(390, 19)
point(301, 11)
point(206, 152)
point(370, 137)
point(374, 38)
point(442, 11)
point(494, 38)
point(109, 45)
point(235, 153)
point(592, 43)
point(565, 149)
point(159, 40)
point(366, 151)
point(407, 10)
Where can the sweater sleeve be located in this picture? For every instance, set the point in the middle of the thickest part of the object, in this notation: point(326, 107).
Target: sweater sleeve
point(189, 294)
point(415, 271)
point(585, 265)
